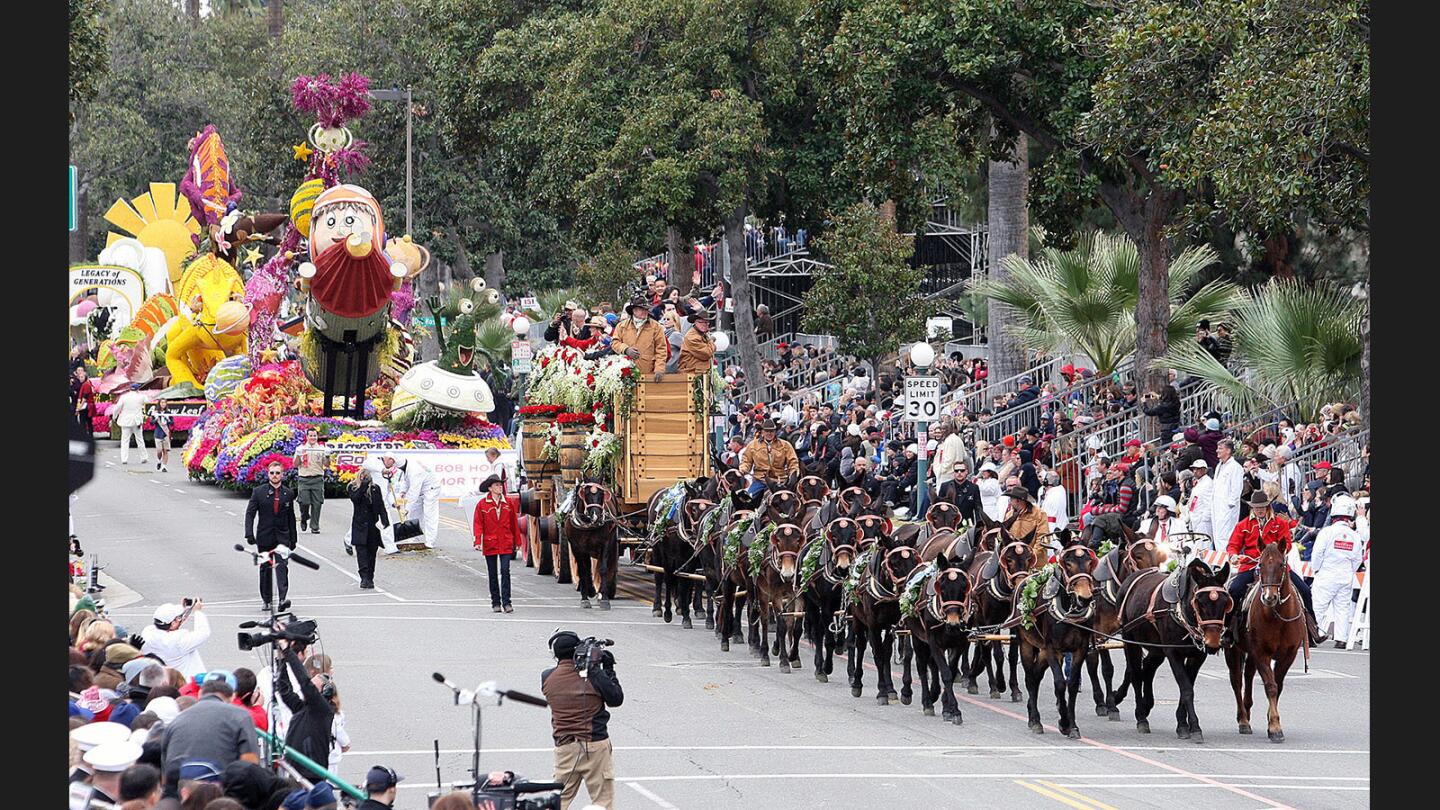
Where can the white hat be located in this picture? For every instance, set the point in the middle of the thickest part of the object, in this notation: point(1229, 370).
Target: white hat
point(913, 448)
point(1199, 464)
point(139, 736)
point(1342, 505)
point(113, 757)
point(164, 708)
point(1178, 437)
point(1094, 441)
point(1212, 424)
point(168, 613)
point(852, 430)
point(989, 467)
point(92, 735)
point(1166, 501)
point(931, 445)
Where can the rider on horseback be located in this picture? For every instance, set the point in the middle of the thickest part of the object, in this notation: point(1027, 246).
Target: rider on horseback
point(1027, 522)
point(768, 459)
point(1260, 529)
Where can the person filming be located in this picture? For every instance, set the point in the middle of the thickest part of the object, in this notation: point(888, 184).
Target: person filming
point(179, 649)
point(578, 719)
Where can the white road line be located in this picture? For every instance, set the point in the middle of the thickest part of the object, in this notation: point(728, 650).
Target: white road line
point(317, 555)
point(179, 490)
point(1168, 786)
point(154, 480)
point(1357, 752)
point(202, 500)
point(664, 805)
point(232, 514)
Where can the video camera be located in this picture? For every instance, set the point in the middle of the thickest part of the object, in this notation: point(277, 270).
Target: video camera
point(588, 649)
point(508, 793)
point(286, 627)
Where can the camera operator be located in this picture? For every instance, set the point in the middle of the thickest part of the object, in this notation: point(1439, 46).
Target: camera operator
point(578, 719)
point(311, 712)
point(179, 649)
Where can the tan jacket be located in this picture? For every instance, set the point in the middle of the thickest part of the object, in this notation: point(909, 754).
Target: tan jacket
point(650, 340)
point(774, 462)
point(1029, 526)
point(697, 352)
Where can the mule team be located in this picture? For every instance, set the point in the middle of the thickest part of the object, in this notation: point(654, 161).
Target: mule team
point(798, 558)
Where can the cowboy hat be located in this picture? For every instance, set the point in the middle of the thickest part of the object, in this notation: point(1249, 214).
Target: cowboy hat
point(1259, 498)
point(769, 424)
point(1019, 493)
point(640, 303)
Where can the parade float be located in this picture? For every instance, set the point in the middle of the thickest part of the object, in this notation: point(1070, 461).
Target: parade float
point(194, 301)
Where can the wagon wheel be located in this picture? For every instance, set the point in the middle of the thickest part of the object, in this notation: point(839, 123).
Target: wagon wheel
point(546, 566)
point(532, 542)
point(564, 563)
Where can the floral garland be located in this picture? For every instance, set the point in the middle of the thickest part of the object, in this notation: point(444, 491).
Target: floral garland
point(760, 548)
point(733, 540)
point(668, 500)
point(857, 572)
point(550, 450)
point(914, 588)
point(810, 562)
point(575, 419)
point(1030, 593)
point(602, 451)
point(543, 411)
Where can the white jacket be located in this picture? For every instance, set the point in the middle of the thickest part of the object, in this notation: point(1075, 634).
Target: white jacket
point(1056, 506)
point(949, 452)
point(129, 409)
point(1225, 500)
point(991, 498)
point(1339, 550)
point(1199, 508)
point(1171, 526)
point(179, 649)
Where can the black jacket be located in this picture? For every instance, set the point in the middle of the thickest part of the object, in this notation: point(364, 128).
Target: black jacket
point(371, 804)
point(309, 728)
point(1168, 414)
point(577, 705)
point(369, 507)
point(272, 530)
point(965, 496)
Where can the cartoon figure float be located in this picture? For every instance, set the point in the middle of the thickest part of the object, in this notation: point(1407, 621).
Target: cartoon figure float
point(451, 383)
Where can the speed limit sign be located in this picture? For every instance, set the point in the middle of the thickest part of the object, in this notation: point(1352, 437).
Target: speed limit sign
point(922, 399)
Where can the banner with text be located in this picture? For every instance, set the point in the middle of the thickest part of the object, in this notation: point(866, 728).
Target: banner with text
point(459, 472)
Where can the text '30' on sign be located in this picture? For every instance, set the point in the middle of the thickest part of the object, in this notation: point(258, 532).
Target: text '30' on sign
point(922, 399)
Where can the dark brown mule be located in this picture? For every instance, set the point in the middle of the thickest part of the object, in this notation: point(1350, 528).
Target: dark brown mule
point(776, 595)
point(940, 631)
point(812, 488)
point(997, 578)
point(1060, 623)
point(839, 547)
point(944, 515)
point(1133, 553)
point(1178, 618)
point(732, 583)
point(874, 614)
point(1268, 640)
point(674, 547)
point(592, 530)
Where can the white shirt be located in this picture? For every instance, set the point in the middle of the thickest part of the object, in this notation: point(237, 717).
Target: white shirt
point(339, 740)
point(991, 499)
point(1056, 506)
point(179, 649)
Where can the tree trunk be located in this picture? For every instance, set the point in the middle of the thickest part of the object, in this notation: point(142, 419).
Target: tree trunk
point(1152, 312)
point(745, 341)
point(495, 270)
point(1365, 355)
point(887, 212)
point(275, 18)
point(1009, 233)
point(682, 260)
point(79, 238)
point(192, 9)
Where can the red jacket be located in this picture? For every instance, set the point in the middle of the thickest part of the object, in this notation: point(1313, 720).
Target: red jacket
point(497, 530)
point(1246, 539)
point(257, 714)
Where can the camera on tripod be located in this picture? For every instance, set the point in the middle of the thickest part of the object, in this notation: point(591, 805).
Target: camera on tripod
point(300, 631)
point(590, 650)
point(506, 791)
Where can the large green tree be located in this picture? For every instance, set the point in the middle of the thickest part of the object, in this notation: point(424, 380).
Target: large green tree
point(869, 296)
point(1115, 99)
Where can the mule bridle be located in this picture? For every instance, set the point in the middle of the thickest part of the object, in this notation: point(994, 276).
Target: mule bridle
point(607, 513)
point(828, 535)
point(775, 557)
point(892, 589)
point(938, 606)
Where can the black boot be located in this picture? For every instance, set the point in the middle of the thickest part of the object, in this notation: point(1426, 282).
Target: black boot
point(1316, 636)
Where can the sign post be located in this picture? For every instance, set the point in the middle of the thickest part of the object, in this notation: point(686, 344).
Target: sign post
point(922, 406)
point(72, 198)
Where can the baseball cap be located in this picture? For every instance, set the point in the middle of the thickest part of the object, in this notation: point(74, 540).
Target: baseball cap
point(200, 770)
point(1322, 465)
point(1212, 424)
point(168, 613)
point(1133, 443)
point(216, 675)
point(381, 778)
point(164, 707)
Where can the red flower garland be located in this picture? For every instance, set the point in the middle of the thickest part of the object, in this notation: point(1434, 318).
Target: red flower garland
point(541, 410)
point(575, 419)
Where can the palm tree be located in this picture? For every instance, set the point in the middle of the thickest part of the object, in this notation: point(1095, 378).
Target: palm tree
point(1292, 343)
point(1085, 298)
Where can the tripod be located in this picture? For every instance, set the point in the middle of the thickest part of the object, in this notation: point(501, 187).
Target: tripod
point(488, 690)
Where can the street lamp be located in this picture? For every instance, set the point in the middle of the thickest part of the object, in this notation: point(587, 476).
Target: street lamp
point(922, 354)
point(408, 97)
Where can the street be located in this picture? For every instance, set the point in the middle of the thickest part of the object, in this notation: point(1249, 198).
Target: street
point(699, 728)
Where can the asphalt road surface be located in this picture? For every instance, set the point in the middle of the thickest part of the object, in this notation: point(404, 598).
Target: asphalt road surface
point(699, 728)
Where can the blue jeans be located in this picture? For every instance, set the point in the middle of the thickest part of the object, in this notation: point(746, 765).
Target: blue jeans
point(499, 586)
point(1242, 581)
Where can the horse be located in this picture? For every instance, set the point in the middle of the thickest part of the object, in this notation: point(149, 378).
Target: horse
point(1267, 637)
point(592, 532)
point(997, 576)
point(1182, 616)
point(1060, 623)
point(1133, 553)
point(874, 614)
point(672, 549)
point(775, 507)
point(836, 546)
point(939, 632)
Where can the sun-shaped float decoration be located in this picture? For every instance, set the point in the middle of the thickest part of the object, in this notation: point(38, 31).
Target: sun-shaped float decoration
point(157, 221)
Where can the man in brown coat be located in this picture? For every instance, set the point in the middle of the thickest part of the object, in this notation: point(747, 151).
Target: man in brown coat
point(641, 339)
point(697, 350)
point(1027, 523)
point(768, 458)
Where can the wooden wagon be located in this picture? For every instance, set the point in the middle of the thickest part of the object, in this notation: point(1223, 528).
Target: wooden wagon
point(664, 439)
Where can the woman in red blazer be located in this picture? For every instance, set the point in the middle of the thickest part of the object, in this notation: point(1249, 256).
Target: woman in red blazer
point(497, 535)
